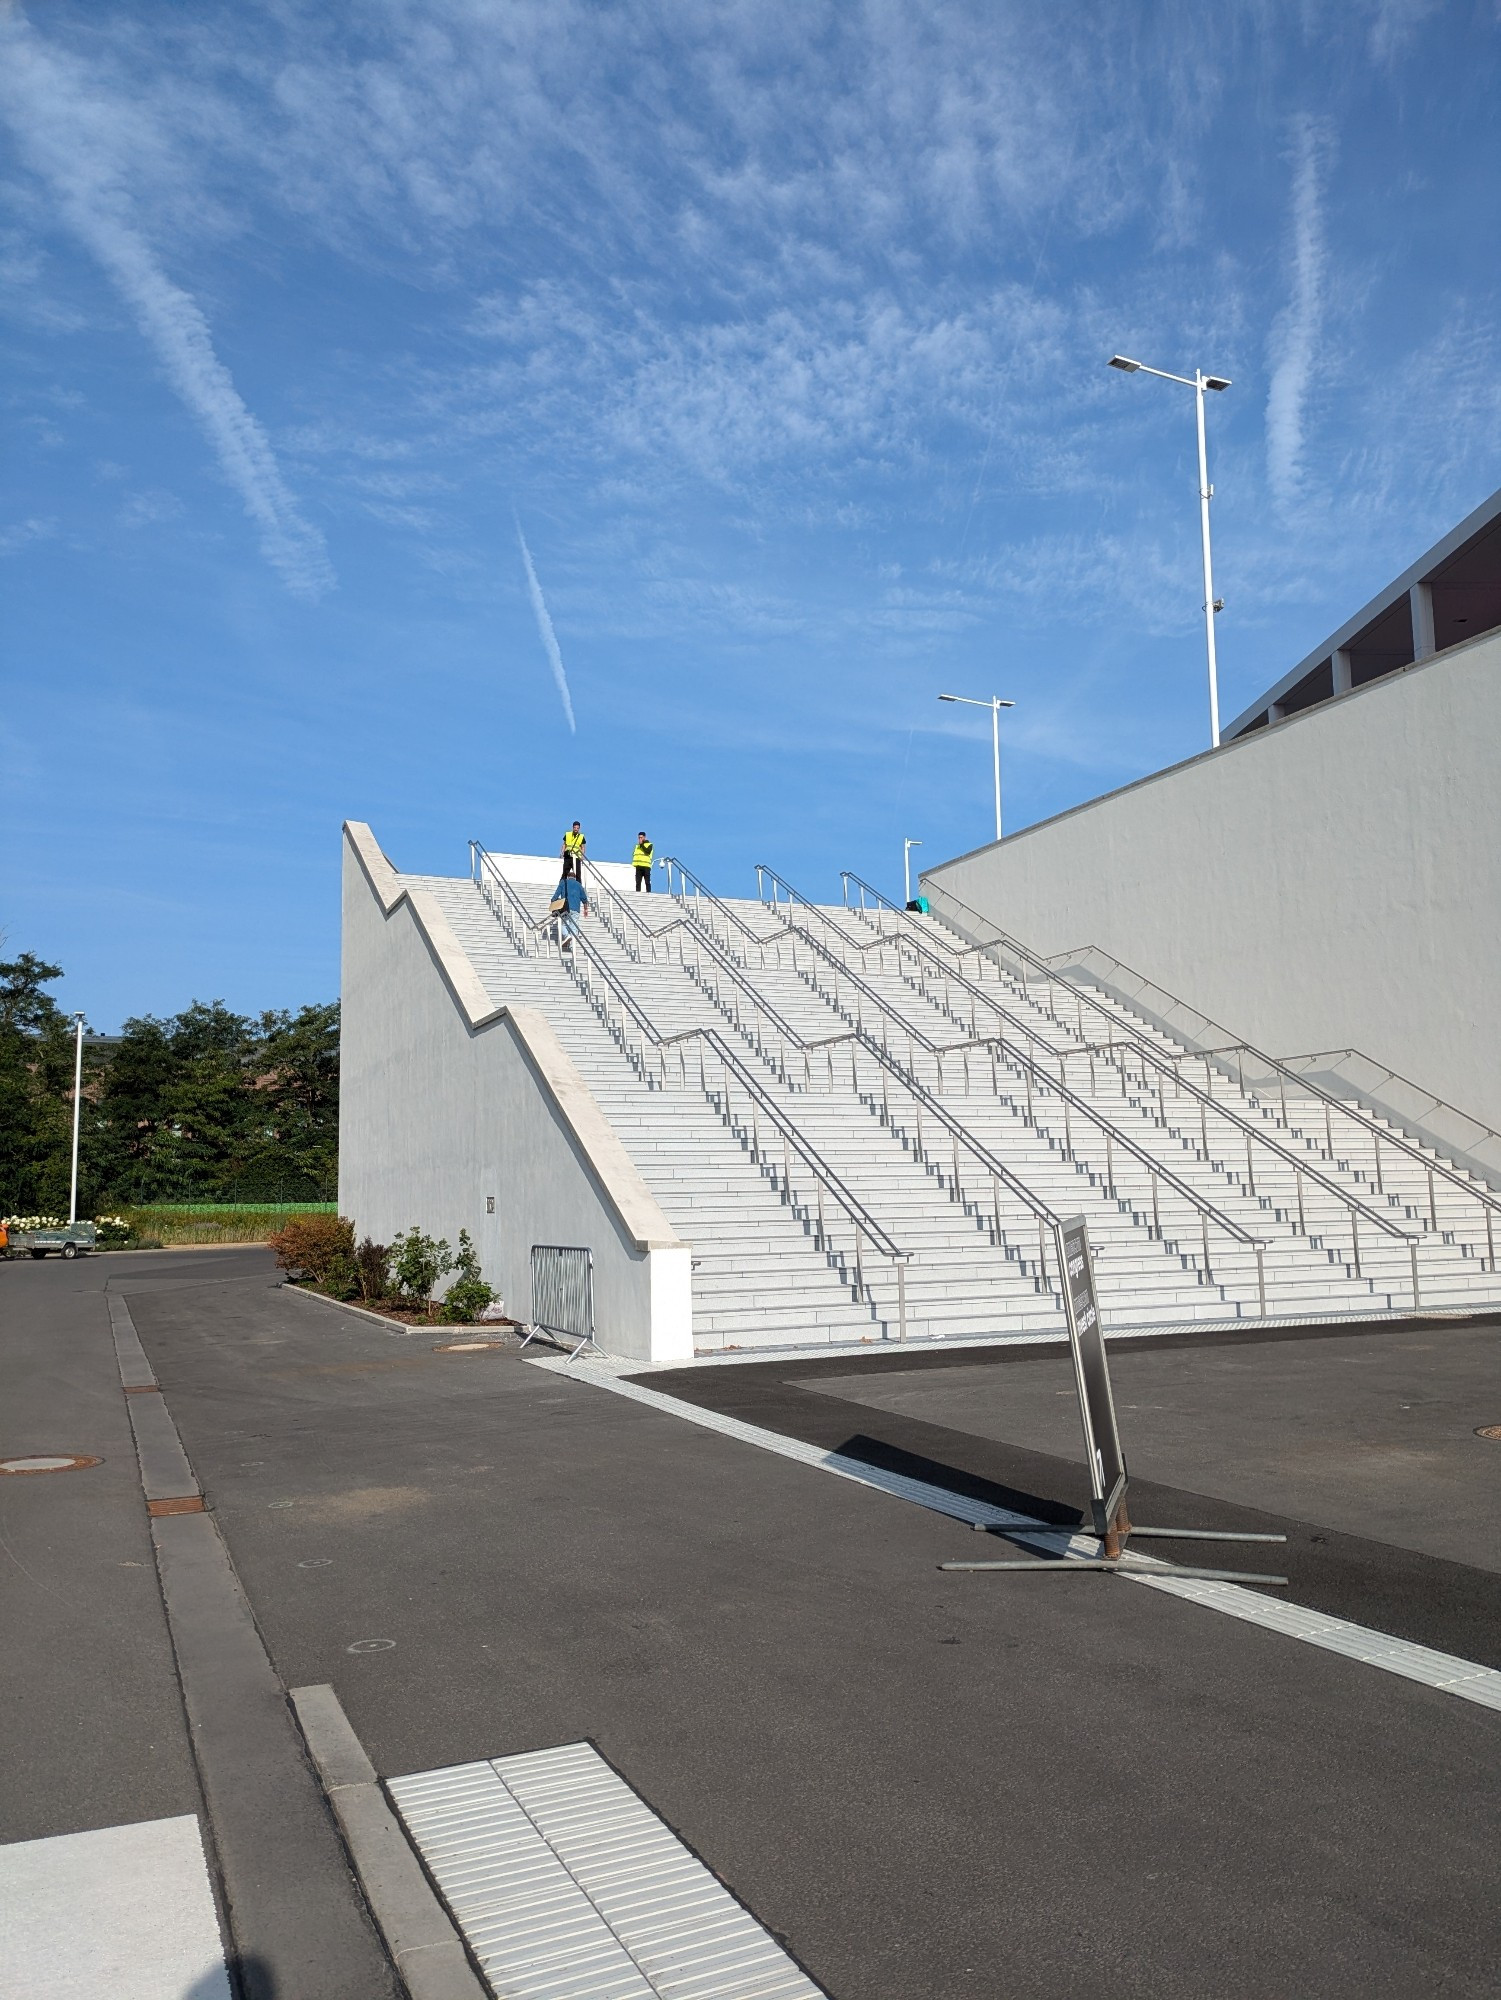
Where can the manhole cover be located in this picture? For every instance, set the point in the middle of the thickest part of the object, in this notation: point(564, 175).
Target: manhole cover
point(48, 1461)
point(1489, 1431)
point(469, 1346)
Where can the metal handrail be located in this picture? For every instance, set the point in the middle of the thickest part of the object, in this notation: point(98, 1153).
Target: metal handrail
point(1147, 1052)
point(793, 1140)
point(608, 894)
point(1352, 1205)
point(998, 1170)
point(1000, 1173)
point(866, 1227)
point(1072, 1102)
point(1159, 1061)
point(1381, 1135)
point(518, 922)
point(725, 962)
point(702, 892)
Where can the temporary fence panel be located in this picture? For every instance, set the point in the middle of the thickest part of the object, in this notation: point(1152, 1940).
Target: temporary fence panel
point(562, 1297)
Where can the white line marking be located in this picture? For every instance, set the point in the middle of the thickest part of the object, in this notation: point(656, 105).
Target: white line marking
point(125, 1911)
point(1315, 1628)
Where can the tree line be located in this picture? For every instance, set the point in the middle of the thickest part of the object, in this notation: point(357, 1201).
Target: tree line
point(205, 1105)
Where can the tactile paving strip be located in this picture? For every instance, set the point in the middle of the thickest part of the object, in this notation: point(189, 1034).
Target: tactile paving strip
point(567, 1886)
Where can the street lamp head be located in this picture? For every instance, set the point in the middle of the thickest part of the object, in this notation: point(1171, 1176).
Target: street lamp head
point(948, 697)
point(1004, 704)
point(1124, 363)
point(1216, 382)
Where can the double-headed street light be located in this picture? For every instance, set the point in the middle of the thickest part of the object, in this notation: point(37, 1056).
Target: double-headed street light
point(1198, 382)
point(995, 705)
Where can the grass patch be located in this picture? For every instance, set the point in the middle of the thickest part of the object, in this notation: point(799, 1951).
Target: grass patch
point(205, 1222)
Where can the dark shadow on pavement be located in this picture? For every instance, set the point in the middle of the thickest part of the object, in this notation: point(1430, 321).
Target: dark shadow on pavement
point(886, 1457)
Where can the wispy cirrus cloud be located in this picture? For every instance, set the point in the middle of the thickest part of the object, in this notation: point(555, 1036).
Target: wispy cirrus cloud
point(77, 138)
point(18, 535)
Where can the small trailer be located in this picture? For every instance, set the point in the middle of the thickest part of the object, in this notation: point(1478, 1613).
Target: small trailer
point(68, 1239)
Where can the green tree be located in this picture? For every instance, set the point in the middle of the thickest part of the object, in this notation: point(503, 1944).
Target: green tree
point(36, 1089)
point(202, 1105)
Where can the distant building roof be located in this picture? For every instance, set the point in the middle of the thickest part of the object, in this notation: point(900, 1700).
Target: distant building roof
point(1451, 594)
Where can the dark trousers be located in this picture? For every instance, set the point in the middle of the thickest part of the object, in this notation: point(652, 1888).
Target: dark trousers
point(643, 877)
point(571, 867)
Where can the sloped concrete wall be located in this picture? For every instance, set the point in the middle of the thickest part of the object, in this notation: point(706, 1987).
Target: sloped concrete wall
point(1333, 882)
point(446, 1099)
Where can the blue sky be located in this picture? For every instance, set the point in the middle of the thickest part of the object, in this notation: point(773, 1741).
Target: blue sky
point(778, 331)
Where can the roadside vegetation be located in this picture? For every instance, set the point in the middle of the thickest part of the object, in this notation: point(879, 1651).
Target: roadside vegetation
point(399, 1279)
point(203, 1126)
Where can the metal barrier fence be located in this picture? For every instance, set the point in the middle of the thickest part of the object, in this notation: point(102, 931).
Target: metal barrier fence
point(562, 1297)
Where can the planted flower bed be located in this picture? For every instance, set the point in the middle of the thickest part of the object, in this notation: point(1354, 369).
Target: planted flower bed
point(398, 1280)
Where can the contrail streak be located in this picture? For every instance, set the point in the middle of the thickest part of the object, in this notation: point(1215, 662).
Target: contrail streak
point(544, 627)
point(80, 141)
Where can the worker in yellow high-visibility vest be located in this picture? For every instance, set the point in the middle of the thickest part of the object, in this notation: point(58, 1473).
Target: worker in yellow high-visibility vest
point(574, 844)
point(642, 859)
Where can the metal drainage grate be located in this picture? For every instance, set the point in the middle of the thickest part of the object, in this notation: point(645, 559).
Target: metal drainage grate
point(48, 1461)
point(1489, 1431)
point(568, 1885)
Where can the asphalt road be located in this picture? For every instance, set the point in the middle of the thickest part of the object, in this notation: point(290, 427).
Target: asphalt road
point(94, 1732)
point(1374, 1434)
point(93, 1725)
point(929, 1784)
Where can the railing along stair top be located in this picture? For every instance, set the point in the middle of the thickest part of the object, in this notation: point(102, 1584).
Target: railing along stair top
point(1354, 1208)
point(1118, 1028)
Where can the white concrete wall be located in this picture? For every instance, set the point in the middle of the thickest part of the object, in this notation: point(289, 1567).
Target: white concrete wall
point(445, 1099)
point(1331, 882)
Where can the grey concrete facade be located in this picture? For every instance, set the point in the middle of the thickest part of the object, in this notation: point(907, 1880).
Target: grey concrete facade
point(1333, 886)
point(448, 1102)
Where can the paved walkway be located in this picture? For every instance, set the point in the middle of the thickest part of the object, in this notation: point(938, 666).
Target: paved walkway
point(923, 1783)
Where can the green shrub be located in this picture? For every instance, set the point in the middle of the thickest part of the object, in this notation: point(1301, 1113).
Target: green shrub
point(372, 1271)
point(320, 1249)
point(418, 1261)
point(468, 1295)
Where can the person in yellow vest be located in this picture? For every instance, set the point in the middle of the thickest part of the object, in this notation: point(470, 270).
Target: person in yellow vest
point(642, 859)
point(574, 844)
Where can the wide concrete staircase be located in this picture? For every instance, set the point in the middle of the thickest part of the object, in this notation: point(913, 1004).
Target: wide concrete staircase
point(868, 1130)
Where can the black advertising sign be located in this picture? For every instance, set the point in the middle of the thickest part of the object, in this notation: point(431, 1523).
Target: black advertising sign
point(1102, 1442)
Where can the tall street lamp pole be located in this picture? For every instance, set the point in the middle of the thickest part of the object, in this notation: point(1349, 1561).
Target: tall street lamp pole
point(77, 1109)
point(907, 847)
point(1198, 382)
point(995, 705)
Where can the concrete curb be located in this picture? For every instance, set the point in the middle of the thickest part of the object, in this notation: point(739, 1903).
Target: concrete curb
point(427, 1950)
point(291, 1908)
point(503, 1328)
